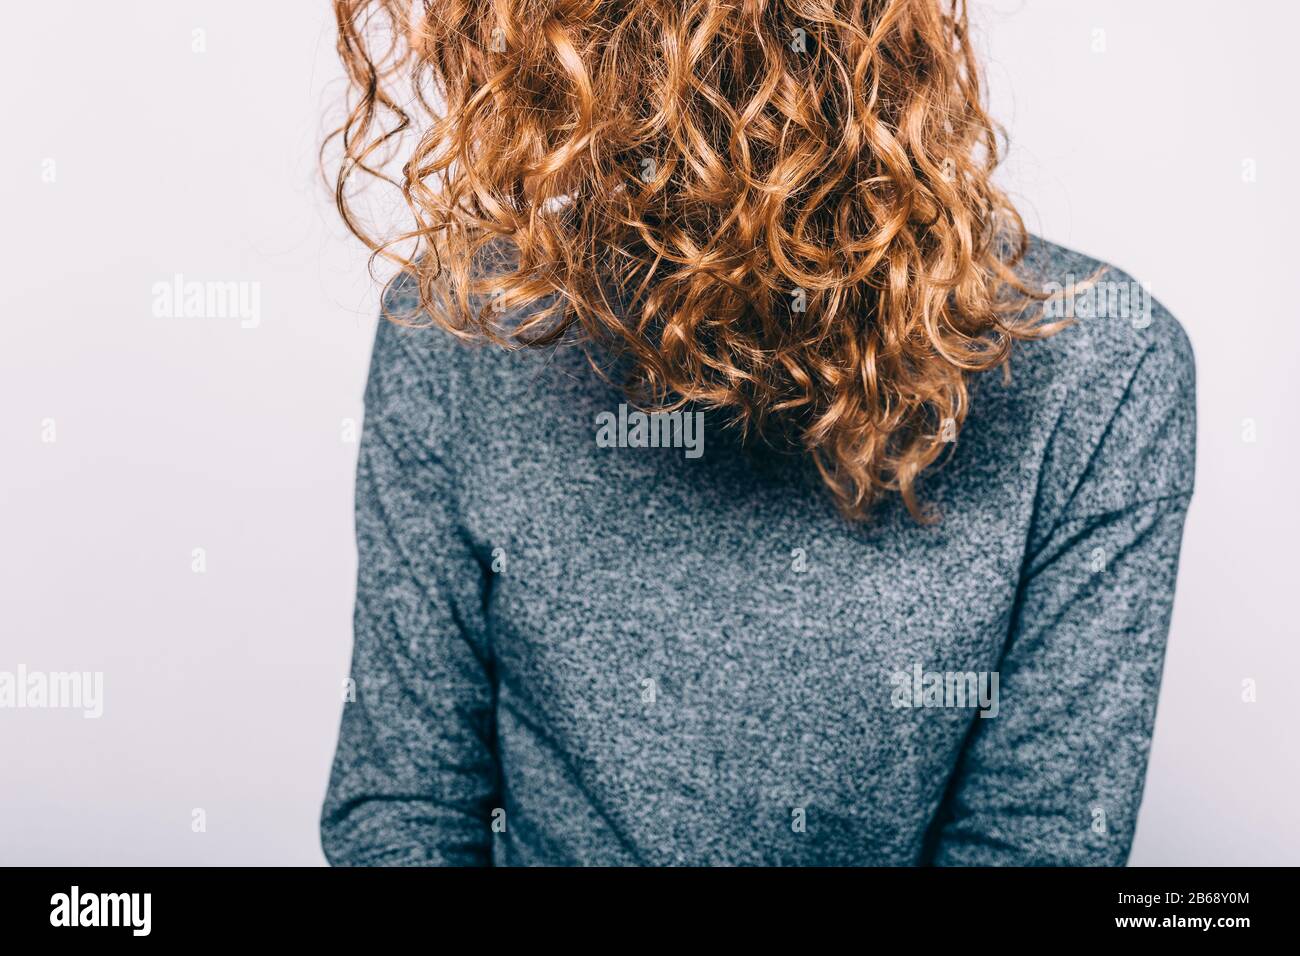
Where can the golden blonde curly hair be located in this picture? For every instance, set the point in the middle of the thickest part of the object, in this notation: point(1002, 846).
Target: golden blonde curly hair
point(781, 209)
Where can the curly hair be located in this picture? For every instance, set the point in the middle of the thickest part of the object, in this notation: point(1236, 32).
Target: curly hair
point(780, 209)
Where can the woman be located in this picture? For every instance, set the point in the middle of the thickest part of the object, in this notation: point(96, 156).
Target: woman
point(739, 483)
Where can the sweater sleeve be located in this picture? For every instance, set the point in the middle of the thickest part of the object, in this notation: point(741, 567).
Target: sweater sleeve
point(1056, 777)
point(414, 779)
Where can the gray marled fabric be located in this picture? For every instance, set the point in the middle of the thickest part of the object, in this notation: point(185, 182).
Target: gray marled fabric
point(696, 661)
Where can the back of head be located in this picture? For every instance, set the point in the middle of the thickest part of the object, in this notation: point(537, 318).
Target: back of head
point(781, 210)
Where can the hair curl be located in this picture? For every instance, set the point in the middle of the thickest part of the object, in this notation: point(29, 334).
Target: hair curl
point(782, 209)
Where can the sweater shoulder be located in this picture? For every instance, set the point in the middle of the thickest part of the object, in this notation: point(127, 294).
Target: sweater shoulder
point(1112, 394)
point(455, 388)
point(1116, 325)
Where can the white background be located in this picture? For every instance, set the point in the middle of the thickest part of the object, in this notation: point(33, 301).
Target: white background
point(222, 690)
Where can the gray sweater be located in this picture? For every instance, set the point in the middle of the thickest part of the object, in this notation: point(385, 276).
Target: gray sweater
point(571, 648)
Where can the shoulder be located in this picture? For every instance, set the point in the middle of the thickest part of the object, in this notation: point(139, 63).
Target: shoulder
point(1121, 336)
point(449, 386)
point(408, 343)
point(1114, 391)
point(419, 373)
point(411, 337)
